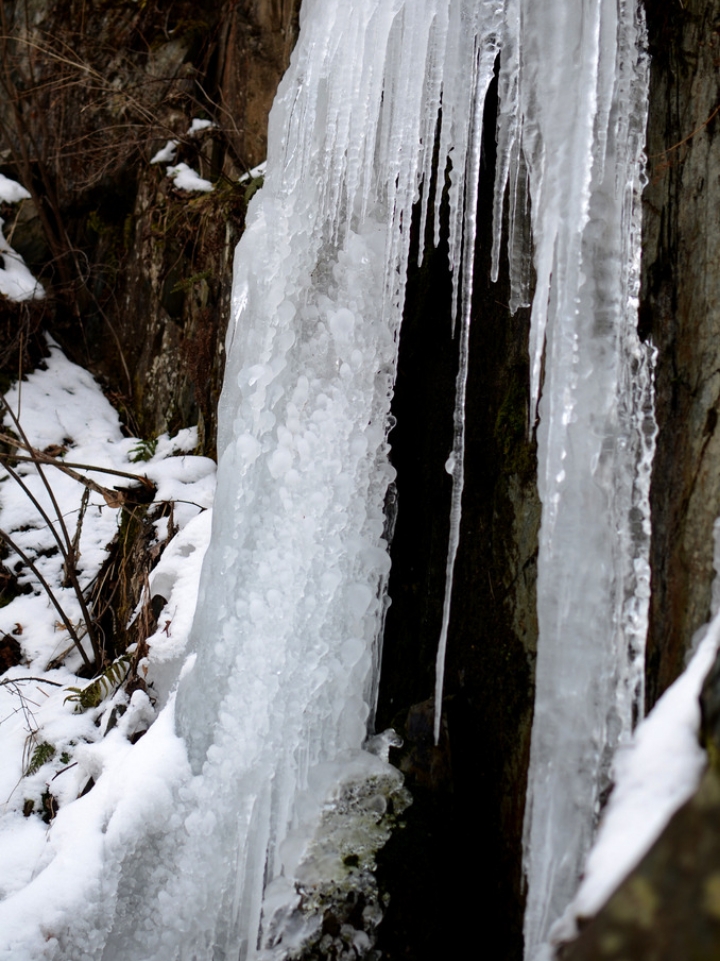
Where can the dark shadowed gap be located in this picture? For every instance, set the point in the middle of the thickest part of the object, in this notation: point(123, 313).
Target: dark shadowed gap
point(454, 871)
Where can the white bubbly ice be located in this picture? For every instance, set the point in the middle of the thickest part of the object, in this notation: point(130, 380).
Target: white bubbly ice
point(275, 709)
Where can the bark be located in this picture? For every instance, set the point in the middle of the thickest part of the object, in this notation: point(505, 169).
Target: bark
point(138, 273)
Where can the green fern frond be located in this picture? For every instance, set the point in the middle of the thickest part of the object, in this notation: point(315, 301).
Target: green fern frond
point(95, 693)
point(41, 755)
point(144, 450)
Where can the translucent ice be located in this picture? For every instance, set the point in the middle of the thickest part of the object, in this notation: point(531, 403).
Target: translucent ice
point(572, 123)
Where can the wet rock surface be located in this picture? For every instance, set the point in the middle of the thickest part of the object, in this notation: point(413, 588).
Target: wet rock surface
point(680, 310)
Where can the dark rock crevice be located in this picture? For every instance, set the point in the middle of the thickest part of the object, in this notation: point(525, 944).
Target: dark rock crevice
point(459, 857)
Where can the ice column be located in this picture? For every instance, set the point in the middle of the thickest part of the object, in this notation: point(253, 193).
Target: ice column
point(570, 133)
point(275, 708)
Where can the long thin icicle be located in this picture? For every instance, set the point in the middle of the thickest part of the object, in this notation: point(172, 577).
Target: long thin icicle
point(484, 66)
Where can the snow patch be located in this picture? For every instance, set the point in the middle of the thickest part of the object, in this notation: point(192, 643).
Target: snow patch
point(166, 154)
point(11, 192)
point(185, 178)
point(16, 281)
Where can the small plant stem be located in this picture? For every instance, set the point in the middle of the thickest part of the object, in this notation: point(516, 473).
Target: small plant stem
point(41, 474)
point(54, 462)
point(71, 562)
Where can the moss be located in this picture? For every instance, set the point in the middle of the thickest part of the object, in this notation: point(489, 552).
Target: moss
point(128, 232)
point(511, 430)
point(186, 285)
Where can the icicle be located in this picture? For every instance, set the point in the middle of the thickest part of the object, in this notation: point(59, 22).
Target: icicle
point(274, 712)
point(484, 65)
point(582, 130)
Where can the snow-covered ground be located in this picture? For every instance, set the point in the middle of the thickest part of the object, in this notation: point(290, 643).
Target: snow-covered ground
point(49, 751)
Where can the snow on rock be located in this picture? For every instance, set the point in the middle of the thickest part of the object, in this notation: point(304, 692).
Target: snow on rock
point(185, 178)
point(198, 125)
point(11, 192)
point(48, 749)
point(132, 796)
point(16, 281)
point(654, 776)
point(166, 154)
point(253, 174)
point(175, 582)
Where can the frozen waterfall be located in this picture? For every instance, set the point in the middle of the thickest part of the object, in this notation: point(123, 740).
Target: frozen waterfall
point(275, 708)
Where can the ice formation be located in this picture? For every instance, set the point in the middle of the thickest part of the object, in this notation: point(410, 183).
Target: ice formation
point(574, 117)
point(274, 710)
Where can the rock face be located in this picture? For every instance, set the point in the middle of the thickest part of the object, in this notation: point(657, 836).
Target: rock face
point(669, 907)
point(681, 312)
point(138, 271)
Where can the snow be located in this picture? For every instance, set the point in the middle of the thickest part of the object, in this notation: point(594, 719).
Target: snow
point(185, 178)
point(16, 281)
point(166, 154)
point(253, 174)
point(11, 192)
point(198, 125)
point(47, 872)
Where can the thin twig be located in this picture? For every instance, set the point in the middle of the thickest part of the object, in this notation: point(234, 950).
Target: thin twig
point(39, 680)
point(55, 462)
point(65, 550)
